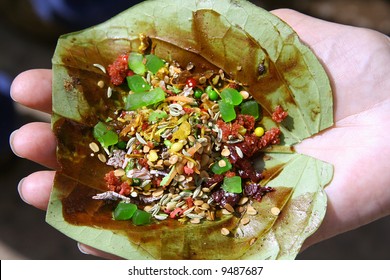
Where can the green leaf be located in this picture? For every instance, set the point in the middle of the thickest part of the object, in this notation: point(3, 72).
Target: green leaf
point(180, 31)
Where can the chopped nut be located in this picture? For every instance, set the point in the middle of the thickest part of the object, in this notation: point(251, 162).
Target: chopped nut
point(173, 159)
point(152, 156)
point(146, 149)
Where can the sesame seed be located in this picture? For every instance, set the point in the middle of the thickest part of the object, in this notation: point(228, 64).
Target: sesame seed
point(251, 211)
point(225, 212)
point(158, 192)
point(229, 207)
point(100, 84)
point(94, 147)
point(205, 206)
point(195, 221)
point(198, 202)
point(244, 94)
point(102, 158)
point(101, 67)
point(225, 231)
point(243, 200)
point(109, 92)
point(134, 194)
point(119, 172)
point(245, 221)
point(275, 211)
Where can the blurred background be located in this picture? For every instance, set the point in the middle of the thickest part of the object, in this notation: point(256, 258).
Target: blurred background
point(28, 32)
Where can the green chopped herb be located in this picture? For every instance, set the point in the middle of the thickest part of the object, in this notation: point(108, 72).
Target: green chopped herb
point(141, 218)
point(217, 169)
point(227, 111)
point(251, 108)
point(140, 99)
point(137, 83)
point(168, 143)
point(154, 63)
point(124, 211)
point(104, 135)
point(157, 115)
point(231, 96)
point(136, 63)
point(136, 182)
point(129, 166)
point(232, 184)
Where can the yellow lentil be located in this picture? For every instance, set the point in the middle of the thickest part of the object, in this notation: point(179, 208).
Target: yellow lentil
point(259, 131)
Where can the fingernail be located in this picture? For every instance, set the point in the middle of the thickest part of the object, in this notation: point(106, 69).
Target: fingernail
point(11, 140)
point(82, 250)
point(20, 191)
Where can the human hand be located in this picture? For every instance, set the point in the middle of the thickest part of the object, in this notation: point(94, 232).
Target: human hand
point(357, 145)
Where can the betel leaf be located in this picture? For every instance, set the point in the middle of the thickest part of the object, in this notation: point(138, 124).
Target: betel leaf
point(290, 76)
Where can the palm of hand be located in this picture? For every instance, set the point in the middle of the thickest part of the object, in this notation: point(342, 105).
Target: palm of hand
point(358, 145)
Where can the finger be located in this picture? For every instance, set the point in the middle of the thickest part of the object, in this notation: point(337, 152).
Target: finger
point(36, 142)
point(35, 188)
point(85, 249)
point(33, 89)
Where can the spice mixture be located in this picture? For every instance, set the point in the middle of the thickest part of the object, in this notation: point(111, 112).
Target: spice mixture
point(183, 143)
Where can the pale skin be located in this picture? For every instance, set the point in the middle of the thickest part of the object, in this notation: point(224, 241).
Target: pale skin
point(358, 145)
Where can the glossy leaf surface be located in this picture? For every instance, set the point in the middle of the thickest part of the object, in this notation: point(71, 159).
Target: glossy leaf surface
point(255, 48)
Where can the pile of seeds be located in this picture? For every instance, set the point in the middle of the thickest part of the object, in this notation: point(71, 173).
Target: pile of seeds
point(181, 144)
